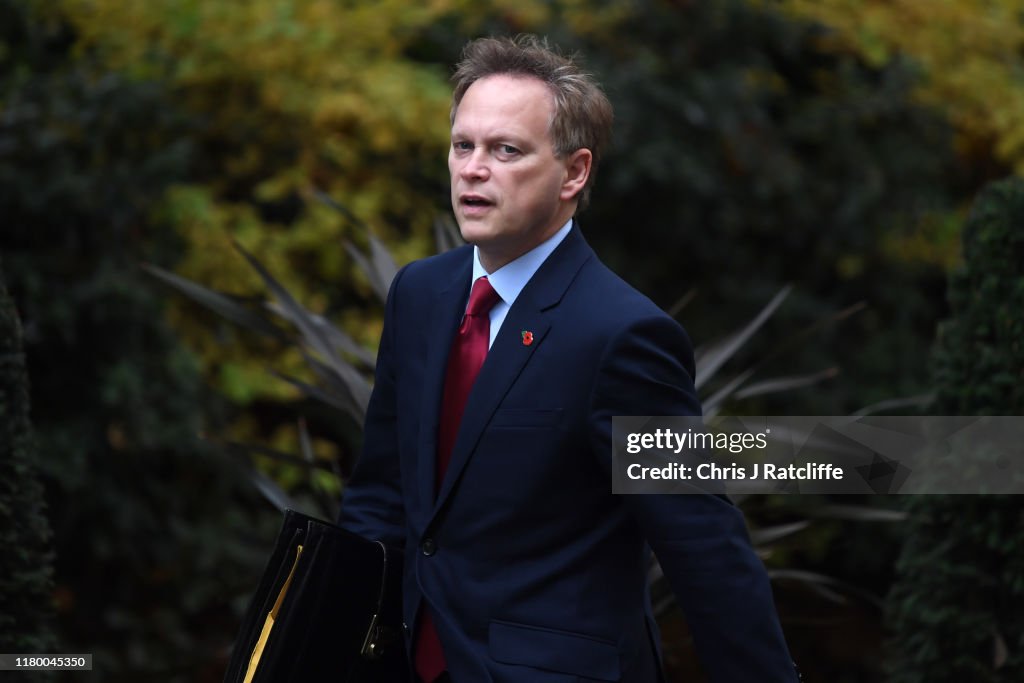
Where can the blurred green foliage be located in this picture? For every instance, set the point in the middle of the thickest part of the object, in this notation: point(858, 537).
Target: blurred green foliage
point(749, 154)
point(969, 53)
point(957, 606)
point(289, 99)
point(753, 148)
point(150, 526)
point(749, 149)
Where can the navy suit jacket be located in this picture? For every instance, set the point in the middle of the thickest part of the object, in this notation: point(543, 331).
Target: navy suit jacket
point(533, 571)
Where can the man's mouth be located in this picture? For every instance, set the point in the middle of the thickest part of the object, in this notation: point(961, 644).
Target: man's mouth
point(474, 200)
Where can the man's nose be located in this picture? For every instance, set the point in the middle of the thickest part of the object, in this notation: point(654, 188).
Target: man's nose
point(476, 166)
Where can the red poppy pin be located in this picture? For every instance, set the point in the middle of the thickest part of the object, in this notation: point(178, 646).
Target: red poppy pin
point(527, 337)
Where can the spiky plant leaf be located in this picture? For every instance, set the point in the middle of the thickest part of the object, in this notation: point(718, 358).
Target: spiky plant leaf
point(710, 360)
point(446, 234)
point(771, 534)
point(780, 384)
point(311, 333)
point(342, 403)
point(219, 303)
point(272, 492)
point(379, 281)
point(341, 342)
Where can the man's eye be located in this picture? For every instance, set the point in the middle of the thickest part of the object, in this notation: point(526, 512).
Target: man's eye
point(462, 146)
point(507, 150)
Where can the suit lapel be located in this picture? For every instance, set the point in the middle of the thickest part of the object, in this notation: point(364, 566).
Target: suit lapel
point(449, 305)
point(507, 357)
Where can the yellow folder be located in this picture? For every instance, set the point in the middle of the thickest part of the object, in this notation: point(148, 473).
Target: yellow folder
point(257, 652)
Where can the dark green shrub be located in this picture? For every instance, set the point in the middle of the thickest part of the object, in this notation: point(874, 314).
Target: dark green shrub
point(957, 608)
point(26, 563)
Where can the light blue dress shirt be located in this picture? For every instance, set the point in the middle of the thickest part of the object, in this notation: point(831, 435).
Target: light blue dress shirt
point(509, 280)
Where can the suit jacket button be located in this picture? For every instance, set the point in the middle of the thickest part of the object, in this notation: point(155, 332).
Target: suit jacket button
point(428, 547)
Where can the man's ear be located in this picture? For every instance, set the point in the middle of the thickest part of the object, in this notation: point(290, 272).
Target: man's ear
point(577, 170)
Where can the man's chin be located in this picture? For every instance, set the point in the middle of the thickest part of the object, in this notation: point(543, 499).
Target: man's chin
point(474, 232)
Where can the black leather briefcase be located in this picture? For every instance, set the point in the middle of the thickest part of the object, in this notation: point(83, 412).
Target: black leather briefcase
point(328, 608)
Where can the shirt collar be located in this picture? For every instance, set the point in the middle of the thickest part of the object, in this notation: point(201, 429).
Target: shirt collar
point(509, 280)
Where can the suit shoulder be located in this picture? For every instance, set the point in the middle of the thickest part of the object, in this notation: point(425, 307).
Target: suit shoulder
point(432, 269)
point(611, 306)
point(599, 284)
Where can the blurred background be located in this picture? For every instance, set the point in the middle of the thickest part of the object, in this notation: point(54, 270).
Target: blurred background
point(201, 205)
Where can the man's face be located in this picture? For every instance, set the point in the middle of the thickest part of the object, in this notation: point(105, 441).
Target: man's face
point(509, 191)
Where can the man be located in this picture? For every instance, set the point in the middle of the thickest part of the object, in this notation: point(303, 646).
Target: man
point(521, 566)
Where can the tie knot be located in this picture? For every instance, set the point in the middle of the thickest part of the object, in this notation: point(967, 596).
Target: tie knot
point(482, 298)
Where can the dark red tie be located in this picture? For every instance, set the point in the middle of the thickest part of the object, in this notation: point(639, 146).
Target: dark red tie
point(464, 362)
